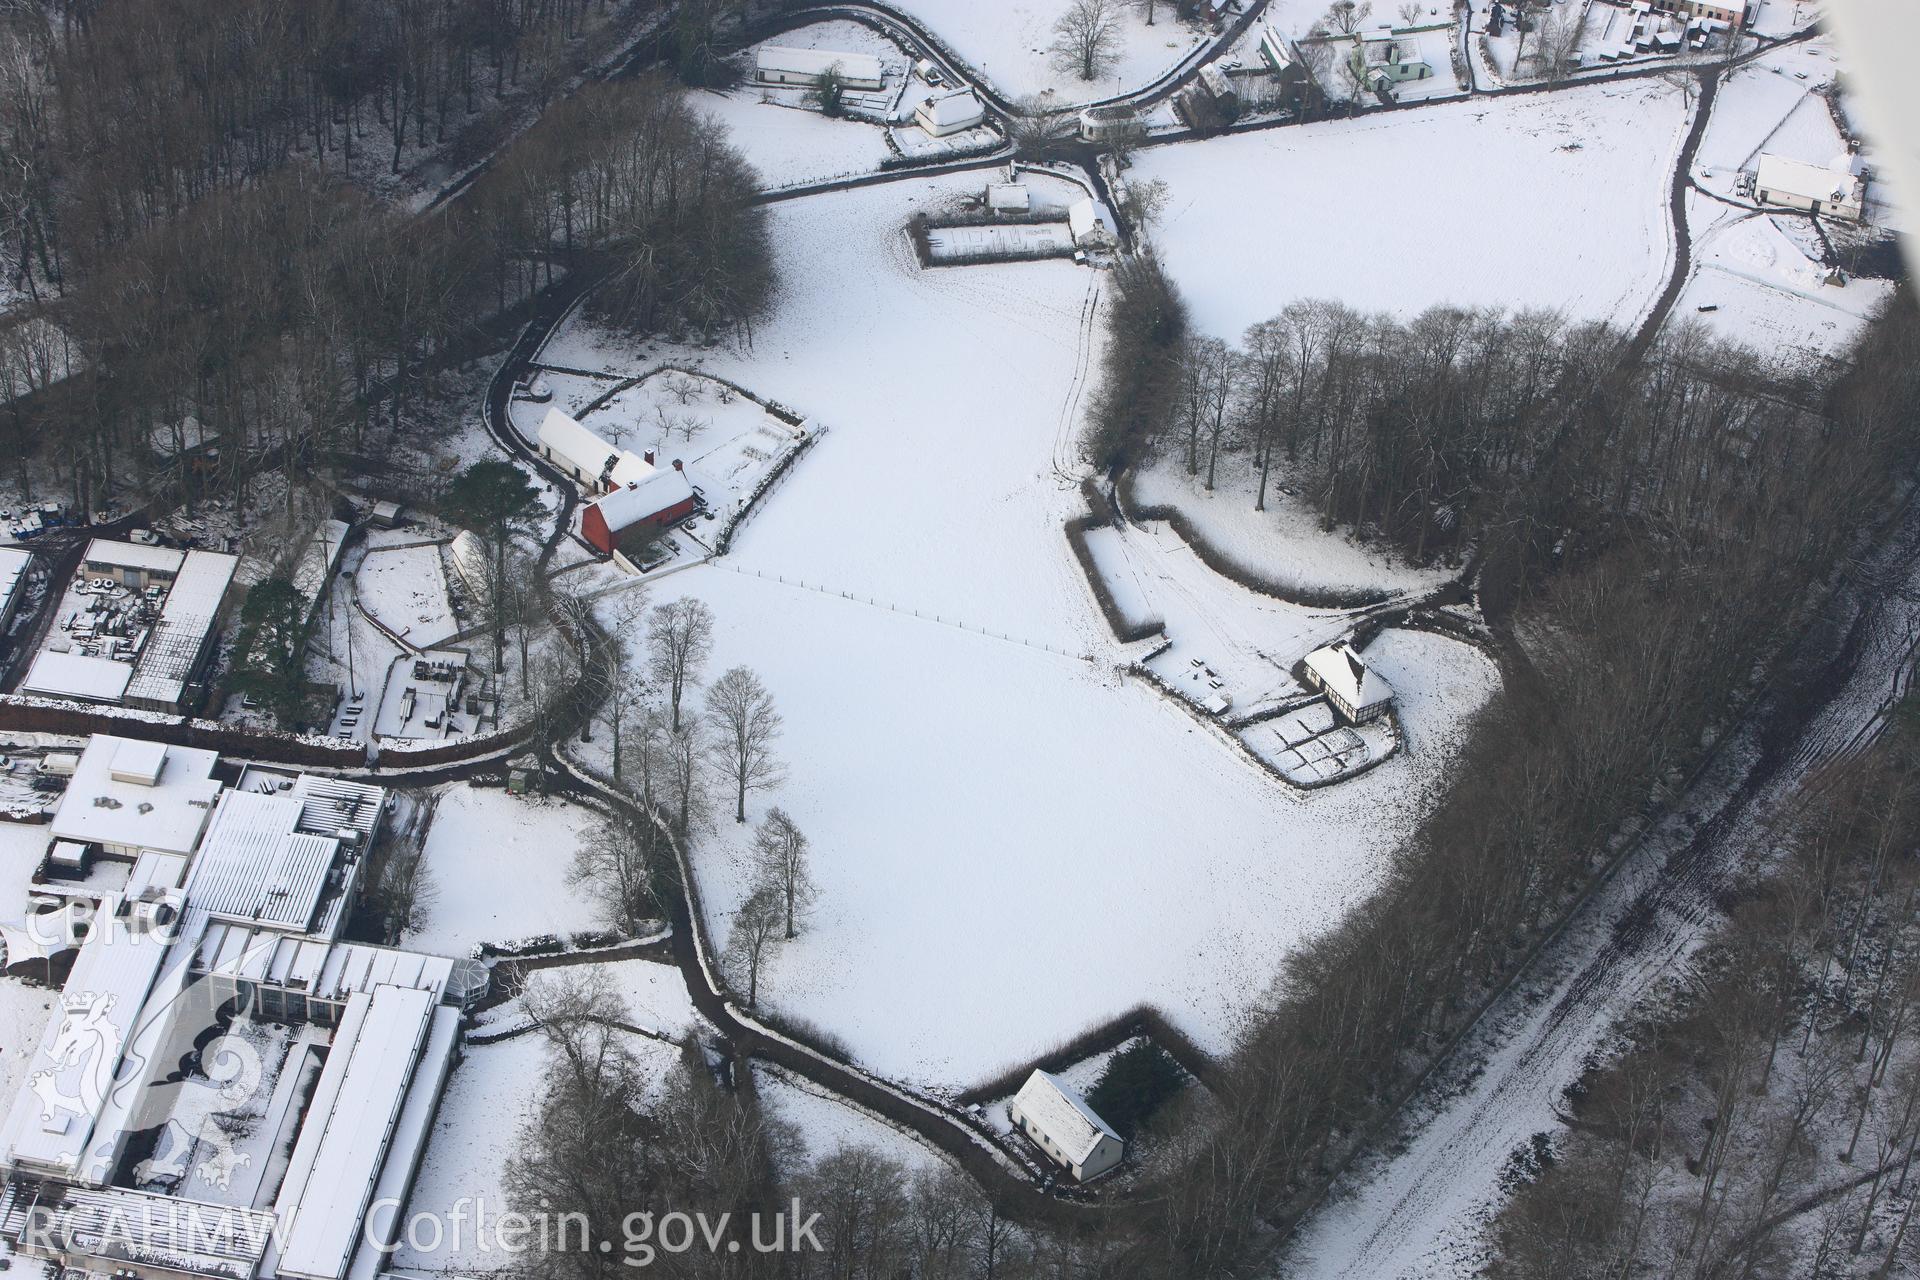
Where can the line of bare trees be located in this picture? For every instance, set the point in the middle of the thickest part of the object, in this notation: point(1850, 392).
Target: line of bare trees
point(672, 758)
point(1765, 1124)
point(1649, 534)
point(614, 1137)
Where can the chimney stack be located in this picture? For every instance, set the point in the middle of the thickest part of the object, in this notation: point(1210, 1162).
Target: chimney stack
point(648, 455)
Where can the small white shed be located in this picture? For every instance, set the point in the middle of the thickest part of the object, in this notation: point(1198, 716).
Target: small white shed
point(1009, 197)
point(1048, 1110)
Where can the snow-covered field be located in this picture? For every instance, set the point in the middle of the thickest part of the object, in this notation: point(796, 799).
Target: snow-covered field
point(1532, 201)
point(1010, 45)
point(967, 794)
point(1771, 104)
point(497, 870)
point(405, 587)
point(1762, 289)
point(788, 144)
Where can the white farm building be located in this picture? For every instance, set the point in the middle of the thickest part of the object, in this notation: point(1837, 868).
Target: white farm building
point(777, 64)
point(1838, 190)
point(1356, 691)
point(588, 461)
point(949, 113)
point(1048, 1110)
point(1091, 224)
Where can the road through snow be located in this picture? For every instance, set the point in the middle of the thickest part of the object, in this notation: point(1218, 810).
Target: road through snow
point(1421, 1212)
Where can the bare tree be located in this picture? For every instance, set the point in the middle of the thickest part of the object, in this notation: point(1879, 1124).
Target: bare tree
point(679, 642)
point(618, 861)
point(1086, 39)
point(1146, 8)
point(756, 926)
point(1143, 204)
point(683, 753)
point(1345, 17)
point(744, 726)
point(781, 850)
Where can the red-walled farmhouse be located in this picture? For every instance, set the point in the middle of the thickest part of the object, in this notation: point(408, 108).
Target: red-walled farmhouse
point(657, 500)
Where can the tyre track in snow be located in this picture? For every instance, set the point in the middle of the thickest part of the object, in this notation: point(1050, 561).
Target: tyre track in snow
point(1420, 1212)
point(1063, 451)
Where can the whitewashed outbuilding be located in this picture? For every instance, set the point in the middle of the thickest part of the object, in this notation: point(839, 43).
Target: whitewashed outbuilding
point(778, 64)
point(1838, 189)
point(949, 113)
point(575, 449)
point(1091, 224)
point(1052, 1113)
point(1009, 197)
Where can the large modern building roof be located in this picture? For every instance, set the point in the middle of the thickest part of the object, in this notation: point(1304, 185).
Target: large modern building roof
point(52, 1125)
point(187, 615)
point(343, 1142)
point(103, 806)
point(13, 572)
point(77, 675)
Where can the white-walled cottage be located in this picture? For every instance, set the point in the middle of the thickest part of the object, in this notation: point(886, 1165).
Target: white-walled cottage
point(949, 113)
point(778, 64)
point(1048, 1110)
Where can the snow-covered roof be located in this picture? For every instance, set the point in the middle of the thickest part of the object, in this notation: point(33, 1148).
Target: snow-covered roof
point(342, 1146)
point(574, 444)
point(1054, 1105)
point(166, 815)
point(106, 552)
point(1347, 674)
point(13, 571)
point(629, 468)
point(410, 1135)
point(325, 970)
point(1783, 175)
point(150, 1231)
point(77, 675)
point(51, 1124)
point(1009, 196)
point(135, 760)
point(956, 110)
point(1086, 215)
point(256, 866)
point(1278, 50)
point(817, 62)
point(626, 507)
